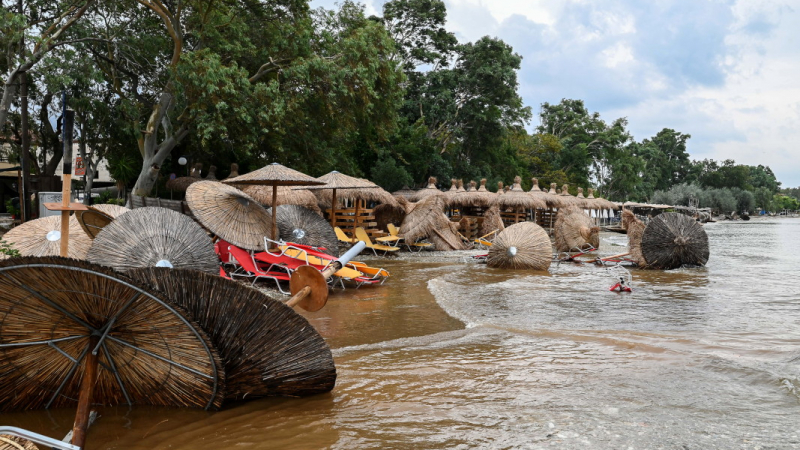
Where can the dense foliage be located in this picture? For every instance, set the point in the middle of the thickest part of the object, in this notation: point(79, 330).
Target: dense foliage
point(394, 98)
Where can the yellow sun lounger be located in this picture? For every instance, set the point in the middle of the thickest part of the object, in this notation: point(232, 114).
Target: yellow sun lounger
point(344, 272)
point(362, 235)
point(343, 237)
point(401, 240)
point(484, 240)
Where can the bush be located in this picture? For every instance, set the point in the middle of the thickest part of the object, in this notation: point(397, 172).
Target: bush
point(6, 249)
point(388, 175)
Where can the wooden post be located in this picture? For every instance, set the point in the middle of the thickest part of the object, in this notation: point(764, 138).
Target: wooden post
point(66, 179)
point(85, 397)
point(333, 209)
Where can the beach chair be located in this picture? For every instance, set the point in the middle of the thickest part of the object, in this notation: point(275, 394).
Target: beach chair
point(410, 246)
point(362, 235)
point(221, 249)
point(343, 237)
point(486, 240)
point(249, 269)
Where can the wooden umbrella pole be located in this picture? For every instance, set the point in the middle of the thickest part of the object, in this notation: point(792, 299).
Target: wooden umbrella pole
point(314, 283)
point(274, 216)
point(333, 209)
point(85, 397)
point(355, 218)
point(65, 194)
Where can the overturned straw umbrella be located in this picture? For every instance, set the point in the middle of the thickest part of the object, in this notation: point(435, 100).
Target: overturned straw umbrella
point(672, 240)
point(154, 237)
point(286, 195)
point(428, 220)
point(111, 210)
point(92, 221)
point(430, 190)
point(74, 330)
point(230, 214)
point(303, 226)
point(266, 347)
point(523, 245)
point(492, 222)
point(635, 229)
point(574, 231)
point(274, 175)
point(517, 199)
point(42, 237)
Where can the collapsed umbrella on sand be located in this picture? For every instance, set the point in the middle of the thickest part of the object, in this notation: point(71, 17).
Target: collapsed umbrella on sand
point(574, 231)
point(523, 245)
point(303, 226)
point(672, 240)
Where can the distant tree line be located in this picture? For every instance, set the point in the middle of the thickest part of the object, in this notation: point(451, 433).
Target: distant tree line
point(394, 98)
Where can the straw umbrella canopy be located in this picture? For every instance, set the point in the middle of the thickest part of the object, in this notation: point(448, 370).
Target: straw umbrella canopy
point(601, 202)
point(274, 175)
point(303, 226)
point(286, 196)
point(230, 214)
point(427, 192)
point(427, 220)
point(474, 197)
point(111, 210)
point(92, 221)
point(63, 320)
point(635, 229)
point(9, 442)
point(580, 200)
point(492, 221)
point(451, 193)
point(405, 192)
point(266, 347)
point(574, 230)
point(348, 187)
point(154, 237)
point(485, 198)
point(180, 184)
point(234, 171)
point(566, 198)
point(516, 198)
point(42, 237)
point(672, 240)
point(550, 200)
point(523, 245)
point(212, 173)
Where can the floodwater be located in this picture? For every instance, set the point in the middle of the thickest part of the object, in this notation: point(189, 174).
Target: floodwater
point(454, 355)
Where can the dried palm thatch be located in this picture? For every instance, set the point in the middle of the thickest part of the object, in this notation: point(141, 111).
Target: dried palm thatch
point(405, 192)
point(426, 216)
point(180, 184)
point(474, 197)
point(550, 200)
point(516, 198)
point(461, 186)
point(601, 202)
point(9, 442)
point(212, 173)
point(111, 210)
point(275, 175)
point(487, 197)
point(447, 237)
point(92, 221)
point(574, 230)
point(627, 217)
point(386, 214)
point(55, 311)
point(635, 231)
point(566, 198)
point(303, 226)
point(153, 236)
point(286, 195)
point(234, 171)
point(407, 205)
point(230, 214)
point(492, 221)
point(500, 190)
point(451, 194)
point(672, 240)
point(430, 190)
point(267, 349)
point(374, 194)
point(42, 237)
point(580, 200)
point(523, 245)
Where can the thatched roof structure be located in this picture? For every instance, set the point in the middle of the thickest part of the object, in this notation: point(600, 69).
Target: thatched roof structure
point(212, 173)
point(566, 198)
point(552, 190)
point(549, 199)
point(574, 230)
point(285, 195)
point(359, 189)
point(450, 194)
point(516, 198)
point(153, 236)
point(672, 240)
point(275, 175)
point(523, 245)
point(405, 192)
point(267, 348)
point(303, 226)
point(430, 190)
point(150, 351)
point(461, 186)
point(180, 184)
point(42, 237)
point(492, 221)
point(386, 214)
point(500, 190)
point(230, 214)
point(581, 200)
point(601, 202)
point(234, 171)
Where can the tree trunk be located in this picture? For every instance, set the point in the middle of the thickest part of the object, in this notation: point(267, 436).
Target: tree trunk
point(9, 92)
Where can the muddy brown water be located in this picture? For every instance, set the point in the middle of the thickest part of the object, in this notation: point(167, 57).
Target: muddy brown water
point(454, 355)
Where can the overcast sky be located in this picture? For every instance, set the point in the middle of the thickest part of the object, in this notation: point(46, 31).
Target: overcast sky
point(725, 72)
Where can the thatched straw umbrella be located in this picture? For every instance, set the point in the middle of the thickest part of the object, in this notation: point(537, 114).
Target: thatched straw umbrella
point(9, 442)
point(92, 221)
point(230, 214)
point(521, 246)
point(154, 237)
point(580, 200)
point(111, 210)
point(274, 175)
point(348, 188)
point(461, 186)
point(492, 221)
point(500, 190)
point(672, 240)
point(180, 184)
point(42, 237)
point(635, 229)
point(601, 202)
point(574, 231)
point(234, 171)
point(303, 226)
point(286, 195)
point(405, 192)
point(212, 173)
point(487, 197)
point(267, 348)
point(566, 198)
point(627, 217)
point(126, 343)
point(427, 192)
point(517, 199)
point(450, 194)
point(549, 199)
point(386, 214)
point(428, 220)
point(407, 205)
